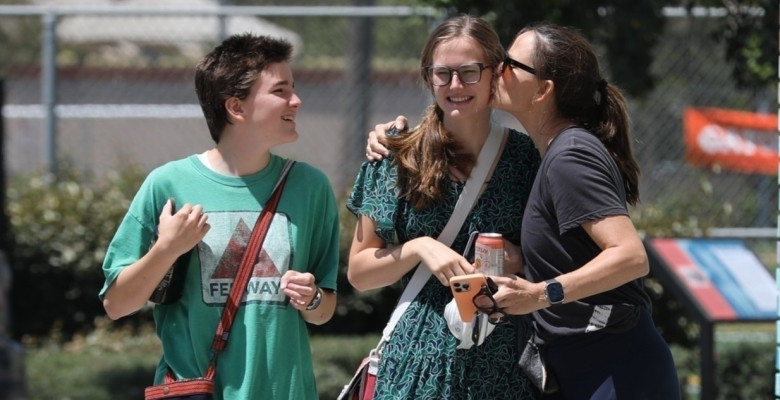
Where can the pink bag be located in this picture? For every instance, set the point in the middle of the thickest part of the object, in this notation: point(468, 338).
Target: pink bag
point(361, 386)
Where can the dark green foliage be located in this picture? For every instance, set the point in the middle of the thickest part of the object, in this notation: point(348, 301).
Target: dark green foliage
point(60, 228)
point(743, 370)
point(747, 37)
point(118, 364)
point(336, 358)
point(672, 320)
point(627, 30)
point(21, 42)
point(109, 363)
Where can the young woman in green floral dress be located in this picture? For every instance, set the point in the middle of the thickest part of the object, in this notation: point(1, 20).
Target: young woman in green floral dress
point(404, 201)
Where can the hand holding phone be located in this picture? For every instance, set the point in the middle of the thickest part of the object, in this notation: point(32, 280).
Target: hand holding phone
point(464, 289)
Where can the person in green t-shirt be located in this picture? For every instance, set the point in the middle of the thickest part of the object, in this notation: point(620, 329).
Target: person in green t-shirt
point(246, 90)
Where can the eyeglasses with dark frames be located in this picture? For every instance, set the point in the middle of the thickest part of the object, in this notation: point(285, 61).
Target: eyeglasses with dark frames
point(469, 74)
point(511, 62)
point(487, 291)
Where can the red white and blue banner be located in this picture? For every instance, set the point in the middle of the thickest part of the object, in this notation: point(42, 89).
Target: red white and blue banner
point(723, 276)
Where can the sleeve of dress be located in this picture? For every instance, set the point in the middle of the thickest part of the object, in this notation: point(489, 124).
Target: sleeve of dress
point(374, 196)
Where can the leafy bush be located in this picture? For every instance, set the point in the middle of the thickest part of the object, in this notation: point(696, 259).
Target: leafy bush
point(742, 371)
point(117, 363)
point(60, 228)
point(336, 358)
point(108, 364)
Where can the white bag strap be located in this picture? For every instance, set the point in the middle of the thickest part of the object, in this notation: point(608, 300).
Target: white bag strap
point(486, 161)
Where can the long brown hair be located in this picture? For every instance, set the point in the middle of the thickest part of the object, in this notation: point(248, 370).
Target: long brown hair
point(581, 94)
point(424, 154)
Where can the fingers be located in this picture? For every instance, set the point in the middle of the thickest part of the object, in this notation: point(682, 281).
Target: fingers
point(375, 155)
point(167, 208)
point(375, 151)
point(375, 148)
point(196, 214)
point(459, 267)
point(166, 213)
point(300, 288)
point(193, 220)
point(483, 302)
point(444, 277)
point(401, 122)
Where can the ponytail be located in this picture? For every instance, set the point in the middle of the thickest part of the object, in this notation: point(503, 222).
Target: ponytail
point(613, 128)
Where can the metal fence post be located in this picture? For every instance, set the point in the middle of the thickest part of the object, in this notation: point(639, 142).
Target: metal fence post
point(777, 255)
point(49, 86)
point(357, 77)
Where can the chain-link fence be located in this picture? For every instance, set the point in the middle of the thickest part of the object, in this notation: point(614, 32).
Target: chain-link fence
point(692, 71)
point(122, 92)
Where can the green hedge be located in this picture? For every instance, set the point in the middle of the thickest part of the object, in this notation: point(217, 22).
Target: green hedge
point(60, 228)
point(743, 371)
point(117, 364)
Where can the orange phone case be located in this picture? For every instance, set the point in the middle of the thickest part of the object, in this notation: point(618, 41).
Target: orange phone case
point(464, 289)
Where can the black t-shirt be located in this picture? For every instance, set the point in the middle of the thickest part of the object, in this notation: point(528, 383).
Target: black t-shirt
point(577, 182)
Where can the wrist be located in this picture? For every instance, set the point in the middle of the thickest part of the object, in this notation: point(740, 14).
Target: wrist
point(552, 293)
point(316, 300)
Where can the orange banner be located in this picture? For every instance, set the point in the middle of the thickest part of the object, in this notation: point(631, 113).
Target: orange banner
point(733, 140)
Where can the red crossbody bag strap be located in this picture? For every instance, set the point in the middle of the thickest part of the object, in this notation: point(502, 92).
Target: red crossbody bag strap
point(245, 271)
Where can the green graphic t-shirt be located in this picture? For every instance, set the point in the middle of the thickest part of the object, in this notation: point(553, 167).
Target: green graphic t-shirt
point(268, 354)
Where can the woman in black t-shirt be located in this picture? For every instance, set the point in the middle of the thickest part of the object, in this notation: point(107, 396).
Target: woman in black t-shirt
point(584, 259)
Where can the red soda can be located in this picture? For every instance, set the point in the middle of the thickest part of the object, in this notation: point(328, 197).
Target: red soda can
point(489, 254)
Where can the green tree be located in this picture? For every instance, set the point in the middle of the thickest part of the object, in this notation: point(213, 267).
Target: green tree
point(748, 34)
point(20, 40)
point(628, 31)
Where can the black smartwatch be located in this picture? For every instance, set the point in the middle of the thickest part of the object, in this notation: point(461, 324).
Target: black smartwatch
point(553, 291)
point(315, 302)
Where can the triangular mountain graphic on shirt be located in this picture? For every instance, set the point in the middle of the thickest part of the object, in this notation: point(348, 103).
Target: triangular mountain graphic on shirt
point(228, 264)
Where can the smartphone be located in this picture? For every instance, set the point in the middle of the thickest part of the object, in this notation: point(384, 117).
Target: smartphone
point(464, 289)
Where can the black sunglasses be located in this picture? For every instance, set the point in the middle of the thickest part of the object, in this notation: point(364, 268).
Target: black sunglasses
point(511, 62)
point(488, 291)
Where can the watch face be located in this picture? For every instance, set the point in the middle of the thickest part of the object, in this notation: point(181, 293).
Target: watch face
point(554, 292)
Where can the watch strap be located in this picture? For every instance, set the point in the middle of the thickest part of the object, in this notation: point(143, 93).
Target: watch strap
point(315, 301)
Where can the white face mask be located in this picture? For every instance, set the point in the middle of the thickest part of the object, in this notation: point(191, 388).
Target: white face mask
point(465, 330)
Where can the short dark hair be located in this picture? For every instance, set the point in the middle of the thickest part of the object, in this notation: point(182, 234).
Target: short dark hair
point(230, 70)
